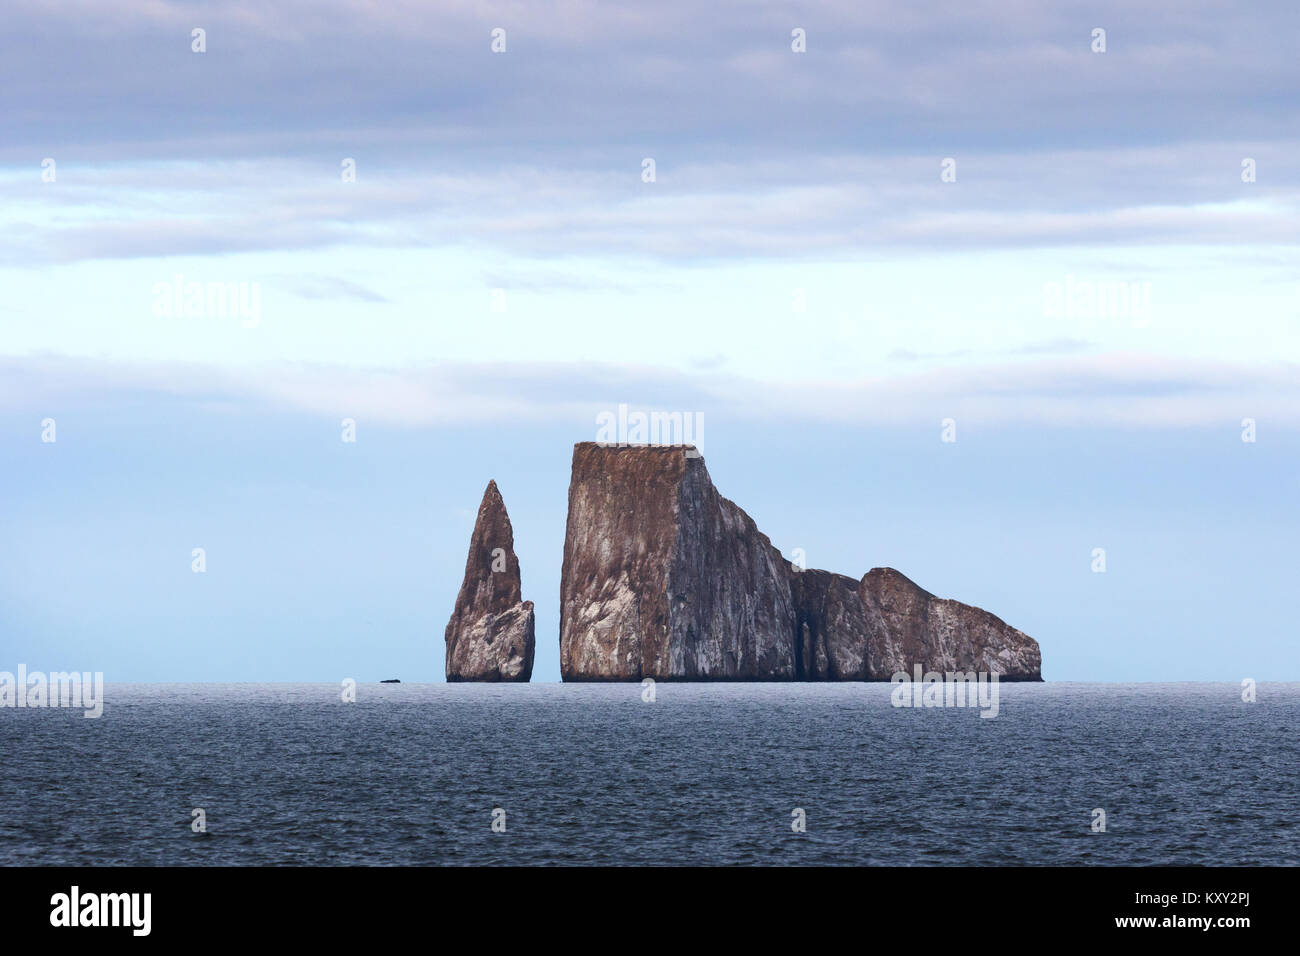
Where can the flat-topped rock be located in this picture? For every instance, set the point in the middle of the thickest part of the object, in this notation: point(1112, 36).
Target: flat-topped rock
point(665, 578)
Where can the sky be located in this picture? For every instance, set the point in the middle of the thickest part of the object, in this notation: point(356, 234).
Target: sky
point(1085, 259)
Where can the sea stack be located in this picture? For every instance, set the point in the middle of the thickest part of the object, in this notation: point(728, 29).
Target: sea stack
point(665, 578)
point(490, 634)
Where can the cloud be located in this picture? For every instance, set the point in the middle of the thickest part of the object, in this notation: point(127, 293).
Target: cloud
point(815, 207)
point(284, 78)
point(1057, 346)
point(760, 152)
point(1115, 389)
point(329, 288)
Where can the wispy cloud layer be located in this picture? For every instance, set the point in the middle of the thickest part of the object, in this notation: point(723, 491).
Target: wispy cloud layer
point(803, 209)
point(285, 77)
point(759, 151)
point(1083, 391)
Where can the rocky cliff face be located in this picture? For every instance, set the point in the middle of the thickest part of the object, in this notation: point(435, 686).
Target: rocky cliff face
point(943, 635)
point(490, 634)
point(835, 638)
point(665, 578)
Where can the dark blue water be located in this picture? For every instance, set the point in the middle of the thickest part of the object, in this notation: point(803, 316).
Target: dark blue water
point(706, 774)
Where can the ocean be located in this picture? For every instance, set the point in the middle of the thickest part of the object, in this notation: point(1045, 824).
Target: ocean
point(705, 774)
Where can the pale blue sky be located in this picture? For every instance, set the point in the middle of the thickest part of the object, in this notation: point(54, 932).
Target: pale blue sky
point(798, 273)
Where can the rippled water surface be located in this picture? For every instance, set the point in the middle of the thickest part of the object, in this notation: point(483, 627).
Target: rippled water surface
point(706, 774)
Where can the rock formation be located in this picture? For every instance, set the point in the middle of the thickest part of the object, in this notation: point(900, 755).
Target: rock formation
point(490, 634)
point(943, 635)
point(665, 578)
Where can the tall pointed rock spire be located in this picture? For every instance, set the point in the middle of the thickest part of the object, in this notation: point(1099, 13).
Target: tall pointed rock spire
point(490, 634)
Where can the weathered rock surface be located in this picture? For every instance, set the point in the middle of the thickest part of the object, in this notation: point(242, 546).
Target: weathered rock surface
point(834, 637)
point(490, 634)
point(665, 578)
point(943, 635)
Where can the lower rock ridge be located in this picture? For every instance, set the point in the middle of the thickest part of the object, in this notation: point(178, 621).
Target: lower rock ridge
point(665, 578)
